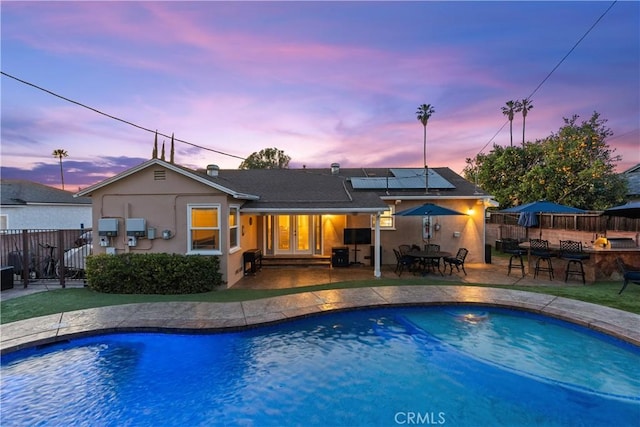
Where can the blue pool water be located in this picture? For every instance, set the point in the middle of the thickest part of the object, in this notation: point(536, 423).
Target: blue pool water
point(453, 366)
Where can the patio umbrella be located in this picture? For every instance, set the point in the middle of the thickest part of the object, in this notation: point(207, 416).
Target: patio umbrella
point(528, 219)
point(528, 210)
point(630, 210)
point(427, 210)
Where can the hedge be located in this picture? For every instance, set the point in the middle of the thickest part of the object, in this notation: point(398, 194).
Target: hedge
point(156, 273)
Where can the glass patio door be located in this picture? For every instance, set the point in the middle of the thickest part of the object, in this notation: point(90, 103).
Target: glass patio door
point(293, 234)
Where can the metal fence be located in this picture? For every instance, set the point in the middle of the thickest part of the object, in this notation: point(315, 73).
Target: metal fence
point(49, 255)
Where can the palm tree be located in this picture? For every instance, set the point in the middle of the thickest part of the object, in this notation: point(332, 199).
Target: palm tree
point(423, 114)
point(60, 153)
point(525, 106)
point(509, 110)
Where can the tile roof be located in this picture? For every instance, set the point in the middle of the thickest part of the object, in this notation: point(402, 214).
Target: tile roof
point(23, 192)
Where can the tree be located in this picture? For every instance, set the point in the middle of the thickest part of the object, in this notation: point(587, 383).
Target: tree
point(509, 111)
point(267, 158)
point(172, 153)
point(60, 153)
point(525, 106)
point(574, 166)
point(423, 114)
point(154, 154)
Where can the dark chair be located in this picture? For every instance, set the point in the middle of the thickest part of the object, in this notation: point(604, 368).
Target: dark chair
point(402, 262)
point(540, 249)
point(571, 251)
point(512, 247)
point(457, 261)
point(404, 249)
point(629, 274)
point(432, 263)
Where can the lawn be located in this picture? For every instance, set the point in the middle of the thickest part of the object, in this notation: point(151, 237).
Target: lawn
point(64, 300)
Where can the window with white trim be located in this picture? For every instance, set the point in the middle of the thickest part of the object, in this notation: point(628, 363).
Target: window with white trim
point(204, 229)
point(387, 219)
point(234, 227)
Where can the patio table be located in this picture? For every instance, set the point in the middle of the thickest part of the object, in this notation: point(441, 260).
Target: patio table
point(427, 256)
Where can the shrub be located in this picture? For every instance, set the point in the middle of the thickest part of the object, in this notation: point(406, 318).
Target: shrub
point(156, 273)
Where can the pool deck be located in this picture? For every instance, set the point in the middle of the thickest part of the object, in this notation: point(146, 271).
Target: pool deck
point(208, 317)
point(203, 317)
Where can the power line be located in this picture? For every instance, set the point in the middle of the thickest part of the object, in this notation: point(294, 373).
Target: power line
point(116, 118)
point(554, 69)
point(572, 49)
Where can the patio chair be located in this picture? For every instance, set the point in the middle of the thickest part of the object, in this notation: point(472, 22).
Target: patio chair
point(571, 251)
point(457, 261)
point(628, 274)
point(404, 249)
point(432, 263)
point(512, 247)
point(402, 262)
point(540, 248)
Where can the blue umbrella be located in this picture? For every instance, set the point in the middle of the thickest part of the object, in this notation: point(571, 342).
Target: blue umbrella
point(527, 219)
point(429, 209)
point(543, 206)
point(529, 210)
point(630, 210)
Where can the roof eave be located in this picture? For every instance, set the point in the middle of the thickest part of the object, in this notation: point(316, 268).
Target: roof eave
point(325, 211)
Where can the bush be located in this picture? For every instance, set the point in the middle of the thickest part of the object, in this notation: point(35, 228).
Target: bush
point(157, 273)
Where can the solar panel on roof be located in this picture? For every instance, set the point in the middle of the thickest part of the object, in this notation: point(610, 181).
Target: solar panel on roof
point(402, 179)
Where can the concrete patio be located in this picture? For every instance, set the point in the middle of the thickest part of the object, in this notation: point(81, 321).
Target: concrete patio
point(208, 317)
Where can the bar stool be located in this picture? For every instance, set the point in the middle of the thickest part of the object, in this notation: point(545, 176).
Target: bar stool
point(512, 247)
point(571, 251)
point(540, 249)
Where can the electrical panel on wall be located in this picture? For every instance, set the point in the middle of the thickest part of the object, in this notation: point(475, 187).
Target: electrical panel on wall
point(136, 227)
point(108, 227)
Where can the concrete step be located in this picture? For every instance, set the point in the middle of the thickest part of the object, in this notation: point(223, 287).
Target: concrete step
point(295, 261)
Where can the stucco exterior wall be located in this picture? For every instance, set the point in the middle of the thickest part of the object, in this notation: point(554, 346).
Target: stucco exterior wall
point(408, 230)
point(163, 204)
point(47, 216)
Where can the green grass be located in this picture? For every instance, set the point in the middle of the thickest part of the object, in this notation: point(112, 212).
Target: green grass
point(63, 300)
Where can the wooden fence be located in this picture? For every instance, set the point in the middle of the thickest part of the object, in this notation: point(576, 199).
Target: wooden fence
point(51, 255)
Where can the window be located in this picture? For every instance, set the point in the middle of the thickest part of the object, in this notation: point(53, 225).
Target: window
point(204, 229)
point(387, 219)
point(234, 228)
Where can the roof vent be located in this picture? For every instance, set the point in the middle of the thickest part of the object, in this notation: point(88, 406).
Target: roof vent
point(335, 168)
point(212, 170)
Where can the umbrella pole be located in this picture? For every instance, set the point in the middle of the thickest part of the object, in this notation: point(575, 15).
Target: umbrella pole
point(540, 225)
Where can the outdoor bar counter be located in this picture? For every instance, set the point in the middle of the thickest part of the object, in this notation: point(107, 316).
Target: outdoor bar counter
point(601, 265)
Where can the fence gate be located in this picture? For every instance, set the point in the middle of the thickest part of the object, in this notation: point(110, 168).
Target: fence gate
point(46, 255)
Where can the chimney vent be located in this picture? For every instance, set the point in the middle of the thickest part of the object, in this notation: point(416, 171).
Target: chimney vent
point(212, 170)
point(335, 168)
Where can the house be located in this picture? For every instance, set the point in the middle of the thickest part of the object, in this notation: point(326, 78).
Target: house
point(159, 206)
point(632, 176)
point(29, 205)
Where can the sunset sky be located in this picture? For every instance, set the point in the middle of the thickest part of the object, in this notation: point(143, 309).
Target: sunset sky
point(323, 81)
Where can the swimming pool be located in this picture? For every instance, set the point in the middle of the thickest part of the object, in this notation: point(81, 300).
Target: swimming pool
point(451, 365)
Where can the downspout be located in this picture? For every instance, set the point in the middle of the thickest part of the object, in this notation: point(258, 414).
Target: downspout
point(376, 248)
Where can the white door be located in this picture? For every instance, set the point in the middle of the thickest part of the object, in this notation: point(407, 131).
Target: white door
point(293, 234)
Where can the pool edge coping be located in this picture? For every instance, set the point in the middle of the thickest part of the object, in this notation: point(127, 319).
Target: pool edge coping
point(206, 317)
